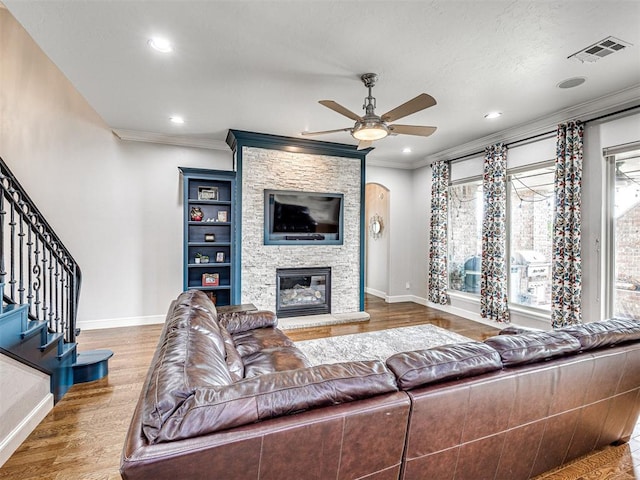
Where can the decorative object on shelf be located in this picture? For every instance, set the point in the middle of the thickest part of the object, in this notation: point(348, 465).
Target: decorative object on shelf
point(207, 193)
point(222, 215)
point(220, 257)
point(210, 279)
point(200, 258)
point(209, 237)
point(376, 225)
point(212, 296)
point(196, 214)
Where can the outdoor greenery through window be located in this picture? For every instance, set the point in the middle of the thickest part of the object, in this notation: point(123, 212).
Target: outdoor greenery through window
point(530, 207)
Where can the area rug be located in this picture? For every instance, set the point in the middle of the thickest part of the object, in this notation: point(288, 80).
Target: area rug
point(376, 345)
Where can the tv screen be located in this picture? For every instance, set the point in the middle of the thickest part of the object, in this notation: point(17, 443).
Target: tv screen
point(303, 217)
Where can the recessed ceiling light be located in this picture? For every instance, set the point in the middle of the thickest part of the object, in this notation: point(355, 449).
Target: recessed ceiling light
point(493, 115)
point(161, 45)
point(572, 82)
point(406, 150)
point(179, 120)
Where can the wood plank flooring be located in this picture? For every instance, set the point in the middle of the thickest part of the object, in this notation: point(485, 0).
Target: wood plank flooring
point(82, 437)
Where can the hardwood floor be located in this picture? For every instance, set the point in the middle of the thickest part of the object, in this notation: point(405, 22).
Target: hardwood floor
point(82, 437)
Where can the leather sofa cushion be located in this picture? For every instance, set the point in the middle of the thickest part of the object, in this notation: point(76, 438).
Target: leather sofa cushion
point(262, 397)
point(272, 360)
point(253, 341)
point(533, 347)
point(232, 357)
point(514, 330)
point(606, 333)
point(198, 300)
point(446, 362)
point(191, 355)
point(237, 322)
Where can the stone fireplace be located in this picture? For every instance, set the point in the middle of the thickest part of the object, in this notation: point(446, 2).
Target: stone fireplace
point(303, 291)
point(266, 162)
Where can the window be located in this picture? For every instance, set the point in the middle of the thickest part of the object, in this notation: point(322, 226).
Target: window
point(624, 230)
point(530, 207)
point(465, 236)
point(530, 204)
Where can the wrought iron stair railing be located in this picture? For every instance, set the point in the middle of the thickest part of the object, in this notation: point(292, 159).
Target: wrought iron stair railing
point(35, 266)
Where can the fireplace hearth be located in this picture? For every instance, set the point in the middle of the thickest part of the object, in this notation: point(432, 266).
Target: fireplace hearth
point(303, 291)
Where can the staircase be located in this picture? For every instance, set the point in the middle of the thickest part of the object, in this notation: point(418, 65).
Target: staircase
point(39, 286)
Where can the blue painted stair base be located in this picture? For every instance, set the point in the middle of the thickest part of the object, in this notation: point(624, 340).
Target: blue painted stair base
point(31, 343)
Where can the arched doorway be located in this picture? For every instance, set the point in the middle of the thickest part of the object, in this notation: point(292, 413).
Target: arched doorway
point(377, 240)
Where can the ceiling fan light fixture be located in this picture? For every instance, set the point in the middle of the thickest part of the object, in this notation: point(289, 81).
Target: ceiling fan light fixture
point(370, 131)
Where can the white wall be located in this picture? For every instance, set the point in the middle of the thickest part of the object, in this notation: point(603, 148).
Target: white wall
point(115, 205)
point(401, 228)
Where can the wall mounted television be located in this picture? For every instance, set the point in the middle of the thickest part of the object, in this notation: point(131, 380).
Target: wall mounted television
point(303, 218)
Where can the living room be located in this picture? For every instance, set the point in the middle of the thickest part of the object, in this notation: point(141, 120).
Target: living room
point(117, 204)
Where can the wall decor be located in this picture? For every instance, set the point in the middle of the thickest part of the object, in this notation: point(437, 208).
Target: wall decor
point(376, 226)
point(207, 193)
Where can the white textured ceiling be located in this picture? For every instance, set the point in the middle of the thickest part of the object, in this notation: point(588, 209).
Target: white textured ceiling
point(263, 65)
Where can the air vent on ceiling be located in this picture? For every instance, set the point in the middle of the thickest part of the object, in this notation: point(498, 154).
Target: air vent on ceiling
point(601, 49)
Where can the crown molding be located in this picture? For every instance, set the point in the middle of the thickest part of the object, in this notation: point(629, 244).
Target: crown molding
point(177, 140)
point(586, 111)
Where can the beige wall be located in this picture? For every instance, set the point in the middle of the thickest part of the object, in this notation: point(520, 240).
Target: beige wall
point(116, 205)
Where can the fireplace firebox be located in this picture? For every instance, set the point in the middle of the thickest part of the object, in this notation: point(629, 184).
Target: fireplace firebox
point(303, 291)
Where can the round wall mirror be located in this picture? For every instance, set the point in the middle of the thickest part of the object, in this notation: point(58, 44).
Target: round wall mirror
point(375, 226)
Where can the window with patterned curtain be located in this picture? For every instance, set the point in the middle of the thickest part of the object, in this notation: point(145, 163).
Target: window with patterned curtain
point(493, 271)
point(438, 241)
point(566, 289)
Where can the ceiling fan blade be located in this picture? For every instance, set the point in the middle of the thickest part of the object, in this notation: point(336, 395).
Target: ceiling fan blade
point(414, 105)
point(336, 107)
point(412, 130)
point(364, 144)
point(326, 131)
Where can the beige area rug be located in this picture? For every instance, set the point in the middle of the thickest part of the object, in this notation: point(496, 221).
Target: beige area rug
point(378, 345)
point(292, 323)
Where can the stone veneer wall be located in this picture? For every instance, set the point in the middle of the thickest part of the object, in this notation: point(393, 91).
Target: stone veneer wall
point(276, 169)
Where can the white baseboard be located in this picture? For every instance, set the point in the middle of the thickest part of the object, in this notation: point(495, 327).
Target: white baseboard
point(120, 322)
point(375, 293)
point(20, 433)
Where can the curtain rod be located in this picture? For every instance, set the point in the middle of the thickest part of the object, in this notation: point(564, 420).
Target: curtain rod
point(540, 135)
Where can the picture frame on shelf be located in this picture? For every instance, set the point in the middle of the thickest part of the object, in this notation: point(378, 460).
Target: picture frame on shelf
point(210, 279)
point(219, 257)
point(222, 216)
point(207, 193)
point(209, 237)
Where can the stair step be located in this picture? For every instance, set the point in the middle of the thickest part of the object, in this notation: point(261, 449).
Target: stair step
point(66, 350)
point(52, 339)
point(91, 365)
point(12, 311)
point(33, 328)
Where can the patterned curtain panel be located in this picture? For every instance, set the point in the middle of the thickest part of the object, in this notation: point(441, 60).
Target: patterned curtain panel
point(438, 243)
point(566, 289)
point(493, 272)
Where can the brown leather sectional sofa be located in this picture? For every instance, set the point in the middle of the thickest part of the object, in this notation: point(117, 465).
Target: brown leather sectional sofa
point(229, 396)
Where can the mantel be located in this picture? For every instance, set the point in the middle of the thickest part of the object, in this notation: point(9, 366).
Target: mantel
point(236, 139)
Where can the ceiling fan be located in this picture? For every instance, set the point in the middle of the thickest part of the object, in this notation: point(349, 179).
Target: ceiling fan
point(372, 127)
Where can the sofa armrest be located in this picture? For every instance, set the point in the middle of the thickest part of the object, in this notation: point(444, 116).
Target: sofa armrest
point(258, 398)
point(236, 322)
